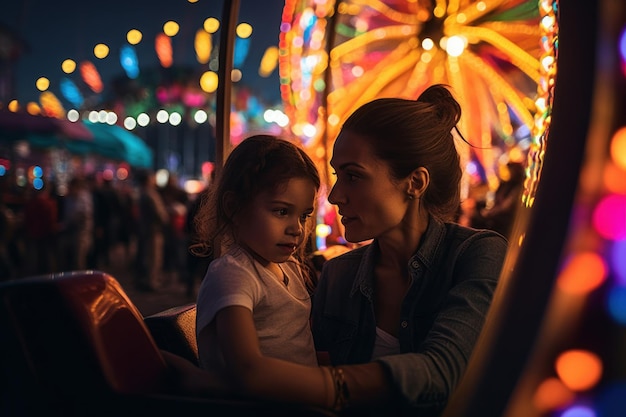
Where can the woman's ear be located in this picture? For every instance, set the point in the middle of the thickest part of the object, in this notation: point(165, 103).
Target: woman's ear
point(229, 202)
point(418, 182)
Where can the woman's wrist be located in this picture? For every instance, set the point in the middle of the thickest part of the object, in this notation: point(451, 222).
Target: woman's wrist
point(337, 390)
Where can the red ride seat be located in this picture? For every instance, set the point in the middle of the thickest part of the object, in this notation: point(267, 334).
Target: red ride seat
point(73, 344)
point(71, 338)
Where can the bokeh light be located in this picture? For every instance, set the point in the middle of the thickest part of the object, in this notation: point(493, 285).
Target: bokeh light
point(101, 51)
point(244, 30)
point(42, 83)
point(552, 394)
point(68, 66)
point(579, 369)
point(579, 411)
point(616, 304)
point(171, 28)
point(618, 261)
point(618, 147)
point(582, 273)
point(134, 36)
point(609, 217)
point(208, 81)
point(211, 25)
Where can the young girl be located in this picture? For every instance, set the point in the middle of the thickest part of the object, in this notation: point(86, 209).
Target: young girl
point(253, 305)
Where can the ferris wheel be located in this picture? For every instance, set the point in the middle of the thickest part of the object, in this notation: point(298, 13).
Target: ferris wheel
point(497, 55)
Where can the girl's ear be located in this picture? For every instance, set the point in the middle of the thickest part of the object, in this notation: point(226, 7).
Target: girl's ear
point(418, 182)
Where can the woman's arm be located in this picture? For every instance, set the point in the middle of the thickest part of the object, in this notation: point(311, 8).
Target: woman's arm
point(428, 377)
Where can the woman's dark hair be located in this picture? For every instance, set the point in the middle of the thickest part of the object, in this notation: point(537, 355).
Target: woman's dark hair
point(408, 134)
point(258, 164)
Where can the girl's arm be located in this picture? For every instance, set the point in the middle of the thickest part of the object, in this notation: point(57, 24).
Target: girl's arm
point(255, 375)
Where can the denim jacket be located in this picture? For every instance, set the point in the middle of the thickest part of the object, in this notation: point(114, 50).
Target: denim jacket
point(454, 273)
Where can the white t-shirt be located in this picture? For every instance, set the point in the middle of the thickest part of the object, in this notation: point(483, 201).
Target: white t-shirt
point(280, 311)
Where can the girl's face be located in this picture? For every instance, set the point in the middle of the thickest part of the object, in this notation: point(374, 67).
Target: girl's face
point(370, 202)
point(272, 227)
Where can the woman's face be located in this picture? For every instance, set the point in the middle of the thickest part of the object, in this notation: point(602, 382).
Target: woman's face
point(370, 202)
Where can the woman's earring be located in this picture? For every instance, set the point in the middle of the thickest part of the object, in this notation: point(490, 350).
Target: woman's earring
point(411, 196)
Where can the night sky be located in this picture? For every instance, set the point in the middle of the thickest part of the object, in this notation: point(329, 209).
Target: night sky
point(61, 29)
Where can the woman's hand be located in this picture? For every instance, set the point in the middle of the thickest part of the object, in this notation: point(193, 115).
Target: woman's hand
point(188, 379)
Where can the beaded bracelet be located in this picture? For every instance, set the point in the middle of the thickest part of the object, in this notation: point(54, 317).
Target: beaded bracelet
point(342, 394)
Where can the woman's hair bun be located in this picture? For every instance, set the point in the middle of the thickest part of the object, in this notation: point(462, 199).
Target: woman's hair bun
point(447, 108)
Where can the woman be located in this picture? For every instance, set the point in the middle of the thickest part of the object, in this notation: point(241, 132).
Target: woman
point(398, 317)
point(415, 299)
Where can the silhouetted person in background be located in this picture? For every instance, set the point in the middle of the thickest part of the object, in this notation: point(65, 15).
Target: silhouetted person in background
point(106, 220)
point(40, 229)
point(152, 219)
point(501, 215)
point(176, 201)
point(76, 238)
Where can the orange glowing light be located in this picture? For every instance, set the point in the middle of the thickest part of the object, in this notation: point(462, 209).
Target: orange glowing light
point(163, 47)
point(91, 77)
point(613, 178)
point(269, 62)
point(552, 394)
point(618, 147)
point(579, 370)
point(583, 273)
point(51, 105)
point(203, 45)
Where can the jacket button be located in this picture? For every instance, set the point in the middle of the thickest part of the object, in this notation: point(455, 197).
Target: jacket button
point(404, 324)
point(415, 264)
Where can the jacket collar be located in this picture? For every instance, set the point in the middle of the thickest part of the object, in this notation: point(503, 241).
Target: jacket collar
point(425, 254)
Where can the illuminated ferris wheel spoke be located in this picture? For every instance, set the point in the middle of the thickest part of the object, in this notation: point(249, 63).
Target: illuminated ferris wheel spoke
point(511, 95)
point(389, 12)
point(520, 58)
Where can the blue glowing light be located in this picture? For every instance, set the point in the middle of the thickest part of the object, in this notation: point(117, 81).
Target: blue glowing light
point(616, 303)
point(579, 411)
point(242, 46)
point(37, 171)
point(618, 261)
point(129, 61)
point(71, 92)
point(622, 45)
point(37, 183)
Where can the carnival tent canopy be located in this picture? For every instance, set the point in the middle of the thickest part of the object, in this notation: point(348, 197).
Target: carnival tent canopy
point(115, 142)
point(47, 131)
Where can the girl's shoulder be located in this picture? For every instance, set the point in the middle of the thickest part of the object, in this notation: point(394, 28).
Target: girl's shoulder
point(230, 263)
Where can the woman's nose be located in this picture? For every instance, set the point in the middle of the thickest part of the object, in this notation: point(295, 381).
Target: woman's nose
point(334, 196)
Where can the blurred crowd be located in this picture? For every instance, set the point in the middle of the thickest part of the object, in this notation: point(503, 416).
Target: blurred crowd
point(45, 231)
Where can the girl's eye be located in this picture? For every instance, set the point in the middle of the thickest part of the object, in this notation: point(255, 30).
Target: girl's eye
point(305, 217)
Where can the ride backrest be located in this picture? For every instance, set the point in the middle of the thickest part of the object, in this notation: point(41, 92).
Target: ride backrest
point(72, 336)
point(174, 330)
